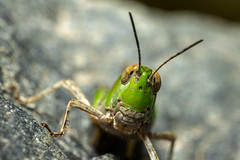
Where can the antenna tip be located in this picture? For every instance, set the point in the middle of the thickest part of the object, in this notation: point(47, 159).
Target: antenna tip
point(130, 14)
point(199, 41)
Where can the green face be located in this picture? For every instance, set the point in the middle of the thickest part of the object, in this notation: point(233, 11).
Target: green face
point(138, 92)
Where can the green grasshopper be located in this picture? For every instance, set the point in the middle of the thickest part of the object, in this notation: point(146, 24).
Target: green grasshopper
point(127, 110)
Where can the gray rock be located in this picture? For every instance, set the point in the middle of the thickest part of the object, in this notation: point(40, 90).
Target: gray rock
point(42, 42)
point(22, 137)
point(104, 157)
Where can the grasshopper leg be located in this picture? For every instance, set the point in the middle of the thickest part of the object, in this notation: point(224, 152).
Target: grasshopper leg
point(68, 84)
point(165, 136)
point(82, 106)
point(80, 103)
point(148, 144)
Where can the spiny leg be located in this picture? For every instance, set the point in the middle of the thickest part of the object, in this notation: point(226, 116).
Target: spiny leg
point(82, 106)
point(68, 84)
point(148, 144)
point(165, 136)
point(80, 103)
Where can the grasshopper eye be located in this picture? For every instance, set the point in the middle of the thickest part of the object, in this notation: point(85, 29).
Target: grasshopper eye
point(127, 73)
point(156, 83)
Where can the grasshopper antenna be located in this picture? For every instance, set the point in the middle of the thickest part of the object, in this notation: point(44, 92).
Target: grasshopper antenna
point(137, 42)
point(177, 54)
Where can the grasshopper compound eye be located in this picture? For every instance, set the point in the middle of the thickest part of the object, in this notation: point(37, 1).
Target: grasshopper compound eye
point(128, 72)
point(156, 82)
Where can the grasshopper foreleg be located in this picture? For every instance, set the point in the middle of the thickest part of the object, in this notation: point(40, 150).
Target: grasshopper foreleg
point(82, 106)
point(80, 103)
point(68, 84)
point(165, 136)
point(162, 135)
point(148, 144)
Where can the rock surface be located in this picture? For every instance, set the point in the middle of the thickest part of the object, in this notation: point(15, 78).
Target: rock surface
point(91, 42)
point(22, 137)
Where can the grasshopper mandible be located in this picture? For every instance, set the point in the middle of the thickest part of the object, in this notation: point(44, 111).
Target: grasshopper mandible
point(126, 110)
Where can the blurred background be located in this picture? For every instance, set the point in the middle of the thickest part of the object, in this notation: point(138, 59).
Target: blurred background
point(229, 10)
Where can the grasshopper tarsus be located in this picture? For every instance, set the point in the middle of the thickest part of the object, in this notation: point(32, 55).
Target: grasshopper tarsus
point(53, 134)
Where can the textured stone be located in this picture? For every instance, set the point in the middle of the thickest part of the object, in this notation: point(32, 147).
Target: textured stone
point(22, 137)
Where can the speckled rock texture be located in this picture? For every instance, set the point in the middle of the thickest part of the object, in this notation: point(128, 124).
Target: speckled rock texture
point(22, 137)
point(91, 42)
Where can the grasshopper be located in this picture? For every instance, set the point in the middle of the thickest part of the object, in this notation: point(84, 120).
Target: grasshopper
point(126, 110)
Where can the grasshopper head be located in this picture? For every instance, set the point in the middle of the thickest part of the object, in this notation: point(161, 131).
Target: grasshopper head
point(140, 84)
point(139, 88)
point(145, 77)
